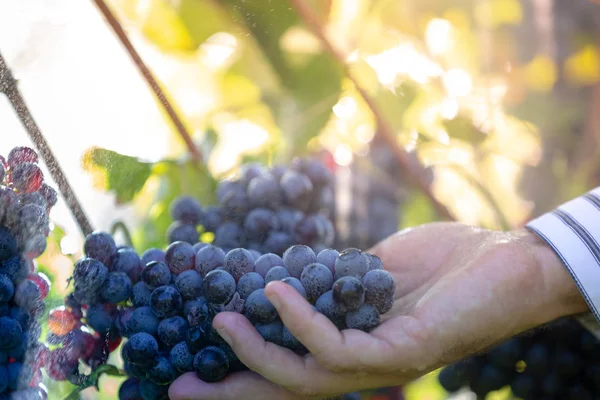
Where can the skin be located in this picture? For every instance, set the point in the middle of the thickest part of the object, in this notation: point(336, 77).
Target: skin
point(460, 290)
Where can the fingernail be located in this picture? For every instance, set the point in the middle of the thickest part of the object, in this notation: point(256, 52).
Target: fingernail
point(224, 335)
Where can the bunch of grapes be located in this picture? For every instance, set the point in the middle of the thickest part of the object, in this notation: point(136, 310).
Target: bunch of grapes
point(25, 201)
point(164, 302)
point(561, 361)
point(263, 209)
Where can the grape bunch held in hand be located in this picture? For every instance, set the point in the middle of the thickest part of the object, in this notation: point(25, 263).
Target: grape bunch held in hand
point(165, 302)
point(25, 201)
point(266, 210)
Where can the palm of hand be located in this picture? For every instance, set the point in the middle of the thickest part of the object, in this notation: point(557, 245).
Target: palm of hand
point(449, 277)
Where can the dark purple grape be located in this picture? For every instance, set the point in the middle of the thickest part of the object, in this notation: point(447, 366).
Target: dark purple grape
point(189, 284)
point(238, 262)
point(349, 291)
point(218, 287)
point(264, 191)
point(380, 288)
point(248, 283)
point(166, 301)
point(316, 279)
point(180, 256)
point(156, 274)
point(153, 254)
point(186, 209)
point(265, 262)
point(208, 259)
point(259, 308)
point(276, 274)
point(183, 232)
point(296, 284)
point(100, 246)
point(297, 257)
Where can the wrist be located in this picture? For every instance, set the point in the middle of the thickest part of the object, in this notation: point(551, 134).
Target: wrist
point(560, 295)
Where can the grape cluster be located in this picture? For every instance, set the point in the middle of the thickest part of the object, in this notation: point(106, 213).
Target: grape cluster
point(25, 201)
point(561, 361)
point(266, 210)
point(164, 303)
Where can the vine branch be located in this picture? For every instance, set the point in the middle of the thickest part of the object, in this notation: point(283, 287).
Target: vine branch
point(8, 86)
point(413, 170)
point(150, 80)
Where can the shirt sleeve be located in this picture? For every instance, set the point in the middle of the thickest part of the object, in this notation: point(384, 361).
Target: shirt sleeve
point(573, 231)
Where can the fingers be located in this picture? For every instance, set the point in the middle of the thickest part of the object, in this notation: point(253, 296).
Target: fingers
point(241, 385)
point(300, 375)
point(349, 350)
point(277, 364)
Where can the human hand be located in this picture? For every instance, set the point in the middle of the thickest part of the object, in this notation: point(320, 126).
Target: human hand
point(459, 290)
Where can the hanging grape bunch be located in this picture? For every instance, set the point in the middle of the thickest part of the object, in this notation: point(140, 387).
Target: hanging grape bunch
point(25, 202)
point(561, 361)
point(164, 302)
point(266, 210)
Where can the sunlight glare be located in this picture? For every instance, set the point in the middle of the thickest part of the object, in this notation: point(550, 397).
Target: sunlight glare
point(219, 49)
point(438, 36)
point(458, 82)
point(403, 60)
point(343, 155)
point(345, 107)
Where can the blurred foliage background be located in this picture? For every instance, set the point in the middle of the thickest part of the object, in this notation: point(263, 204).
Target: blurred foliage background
point(498, 99)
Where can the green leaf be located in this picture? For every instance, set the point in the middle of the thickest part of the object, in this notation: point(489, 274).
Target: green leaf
point(174, 179)
point(462, 128)
point(92, 379)
point(310, 88)
point(123, 175)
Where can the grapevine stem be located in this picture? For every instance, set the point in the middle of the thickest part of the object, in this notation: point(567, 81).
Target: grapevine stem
point(151, 80)
point(413, 170)
point(8, 86)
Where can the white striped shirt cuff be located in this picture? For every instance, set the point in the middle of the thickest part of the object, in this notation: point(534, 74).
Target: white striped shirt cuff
point(573, 231)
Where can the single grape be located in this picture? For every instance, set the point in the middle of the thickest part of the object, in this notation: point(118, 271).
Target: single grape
point(349, 291)
point(238, 262)
point(229, 235)
point(296, 284)
point(208, 259)
point(332, 309)
point(162, 373)
point(297, 189)
point(264, 191)
point(180, 256)
point(140, 294)
point(153, 254)
point(351, 262)
point(259, 308)
point(141, 349)
point(276, 274)
point(259, 222)
point(297, 257)
point(100, 246)
point(182, 232)
point(186, 209)
point(172, 330)
point(289, 341)
point(166, 301)
point(189, 284)
point(264, 263)
point(116, 288)
point(101, 317)
point(19, 155)
point(196, 338)
point(156, 274)
point(366, 318)
point(380, 287)
point(507, 354)
point(181, 357)
point(211, 364)
point(248, 283)
point(27, 177)
point(278, 242)
point(130, 390)
point(327, 257)
point(316, 279)
point(523, 386)
point(11, 333)
point(218, 287)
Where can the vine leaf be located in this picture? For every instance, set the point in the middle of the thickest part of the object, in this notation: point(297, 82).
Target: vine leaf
point(92, 379)
point(111, 171)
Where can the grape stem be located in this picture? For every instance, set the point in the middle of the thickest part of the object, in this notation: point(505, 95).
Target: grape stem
point(8, 86)
point(413, 170)
point(120, 226)
point(195, 154)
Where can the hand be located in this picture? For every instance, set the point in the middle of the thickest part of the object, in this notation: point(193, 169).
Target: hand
point(459, 290)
